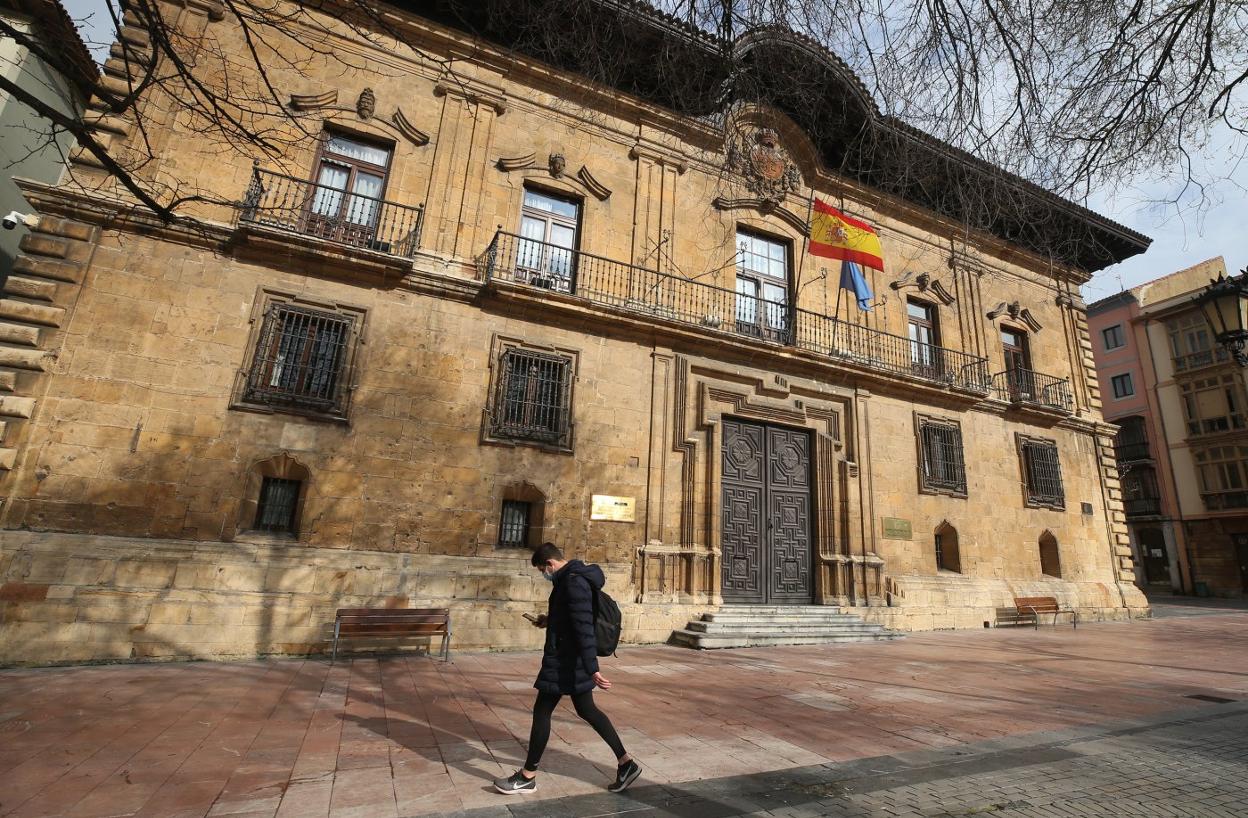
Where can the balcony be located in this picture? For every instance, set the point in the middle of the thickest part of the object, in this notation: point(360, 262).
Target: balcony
point(1142, 506)
point(1131, 452)
point(1200, 360)
point(1225, 499)
point(305, 208)
point(639, 291)
point(1029, 388)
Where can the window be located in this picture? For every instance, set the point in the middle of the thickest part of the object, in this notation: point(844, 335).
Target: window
point(762, 287)
point(1212, 405)
point(1050, 557)
point(513, 528)
point(1190, 343)
point(1042, 472)
point(546, 257)
point(924, 339)
point(1223, 474)
point(941, 467)
point(302, 358)
point(1140, 494)
point(1020, 380)
point(346, 200)
point(533, 397)
point(1123, 386)
point(1113, 337)
point(275, 510)
point(948, 556)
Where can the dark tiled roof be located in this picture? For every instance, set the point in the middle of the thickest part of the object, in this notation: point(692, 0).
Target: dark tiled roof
point(652, 53)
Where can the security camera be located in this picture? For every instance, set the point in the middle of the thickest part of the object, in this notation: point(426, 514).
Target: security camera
point(14, 218)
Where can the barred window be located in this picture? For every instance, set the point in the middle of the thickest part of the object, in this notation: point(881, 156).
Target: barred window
point(1042, 472)
point(943, 468)
point(513, 529)
point(279, 500)
point(532, 398)
point(301, 359)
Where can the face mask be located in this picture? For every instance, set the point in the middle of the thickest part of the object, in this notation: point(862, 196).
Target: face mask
point(548, 577)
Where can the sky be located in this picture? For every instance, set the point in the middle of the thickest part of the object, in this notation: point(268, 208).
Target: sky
point(1186, 227)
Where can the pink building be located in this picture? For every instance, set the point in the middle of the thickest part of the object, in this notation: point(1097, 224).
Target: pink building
point(1182, 410)
point(1120, 347)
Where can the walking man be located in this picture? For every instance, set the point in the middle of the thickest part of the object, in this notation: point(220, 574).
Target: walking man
point(569, 667)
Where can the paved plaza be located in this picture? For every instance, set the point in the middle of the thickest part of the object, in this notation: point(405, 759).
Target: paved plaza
point(1118, 719)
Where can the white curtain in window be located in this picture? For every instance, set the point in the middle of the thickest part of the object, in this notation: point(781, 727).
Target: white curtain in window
point(330, 184)
point(361, 210)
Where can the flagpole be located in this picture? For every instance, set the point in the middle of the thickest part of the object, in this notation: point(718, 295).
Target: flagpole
point(801, 264)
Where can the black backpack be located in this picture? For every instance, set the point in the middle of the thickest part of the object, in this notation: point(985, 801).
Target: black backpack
point(607, 623)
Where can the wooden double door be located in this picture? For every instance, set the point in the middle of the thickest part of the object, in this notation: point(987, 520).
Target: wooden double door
point(766, 514)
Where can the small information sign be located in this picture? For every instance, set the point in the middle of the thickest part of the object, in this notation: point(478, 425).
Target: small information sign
point(896, 528)
point(613, 509)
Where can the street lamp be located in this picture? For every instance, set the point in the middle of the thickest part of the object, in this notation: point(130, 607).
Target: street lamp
point(1225, 306)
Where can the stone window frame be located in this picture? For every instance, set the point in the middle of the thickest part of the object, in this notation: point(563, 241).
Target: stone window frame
point(923, 421)
point(282, 466)
point(267, 298)
point(499, 347)
point(1031, 498)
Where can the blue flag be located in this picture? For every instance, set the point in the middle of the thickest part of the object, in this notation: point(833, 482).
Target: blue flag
point(853, 280)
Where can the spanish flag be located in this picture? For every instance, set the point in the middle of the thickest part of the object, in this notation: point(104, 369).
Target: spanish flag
point(835, 235)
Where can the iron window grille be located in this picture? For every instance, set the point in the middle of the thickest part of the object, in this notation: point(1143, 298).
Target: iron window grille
point(943, 466)
point(513, 528)
point(279, 500)
point(533, 397)
point(300, 359)
point(1043, 473)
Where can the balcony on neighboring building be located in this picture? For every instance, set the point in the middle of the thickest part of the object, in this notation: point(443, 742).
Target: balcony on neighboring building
point(1200, 359)
point(1131, 452)
point(1029, 388)
point(640, 291)
point(1218, 501)
point(1142, 507)
point(297, 206)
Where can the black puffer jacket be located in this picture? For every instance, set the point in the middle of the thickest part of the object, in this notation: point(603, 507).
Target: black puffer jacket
point(570, 659)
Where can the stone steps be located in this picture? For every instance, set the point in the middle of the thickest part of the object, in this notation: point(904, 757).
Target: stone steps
point(761, 625)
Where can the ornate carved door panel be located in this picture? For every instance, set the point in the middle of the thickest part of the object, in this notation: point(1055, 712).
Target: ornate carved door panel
point(766, 514)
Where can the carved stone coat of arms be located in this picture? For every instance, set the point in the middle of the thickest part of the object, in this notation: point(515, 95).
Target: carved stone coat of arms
point(767, 169)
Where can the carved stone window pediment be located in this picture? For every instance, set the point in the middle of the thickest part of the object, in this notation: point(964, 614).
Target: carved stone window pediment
point(1017, 313)
point(556, 165)
point(365, 108)
point(926, 284)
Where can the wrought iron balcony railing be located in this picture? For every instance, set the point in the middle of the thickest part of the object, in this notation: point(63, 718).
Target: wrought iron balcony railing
point(1142, 506)
point(310, 209)
point(1130, 452)
point(639, 290)
point(1025, 386)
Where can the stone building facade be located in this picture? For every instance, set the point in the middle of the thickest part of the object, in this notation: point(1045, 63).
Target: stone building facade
point(481, 308)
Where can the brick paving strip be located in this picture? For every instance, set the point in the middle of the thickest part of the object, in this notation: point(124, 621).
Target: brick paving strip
point(779, 729)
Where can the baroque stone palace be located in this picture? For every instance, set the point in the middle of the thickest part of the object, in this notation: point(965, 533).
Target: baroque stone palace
point(482, 303)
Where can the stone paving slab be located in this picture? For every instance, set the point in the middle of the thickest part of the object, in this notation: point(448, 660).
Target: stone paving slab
point(1098, 720)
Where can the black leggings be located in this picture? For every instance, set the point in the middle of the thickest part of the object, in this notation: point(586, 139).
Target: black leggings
point(585, 708)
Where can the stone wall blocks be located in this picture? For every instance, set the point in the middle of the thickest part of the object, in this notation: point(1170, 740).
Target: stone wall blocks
point(34, 288)
point(41, 244)
point(32, 313)
point(31, 359)
point(18, 333)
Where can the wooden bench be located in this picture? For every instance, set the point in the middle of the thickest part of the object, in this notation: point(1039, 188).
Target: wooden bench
point(393, 623)
point(1027, 610)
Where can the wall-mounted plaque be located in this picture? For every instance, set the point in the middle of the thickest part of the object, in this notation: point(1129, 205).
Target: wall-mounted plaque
point(896, 528)
point(613, 509)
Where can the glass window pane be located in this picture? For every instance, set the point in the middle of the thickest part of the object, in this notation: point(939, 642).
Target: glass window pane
point(747, 301)
point(362, 210)
point(355, 149)
point(550, 204)
point(330, 184)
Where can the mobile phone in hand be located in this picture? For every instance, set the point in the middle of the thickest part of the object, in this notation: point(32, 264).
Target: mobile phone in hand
point(529, 617)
